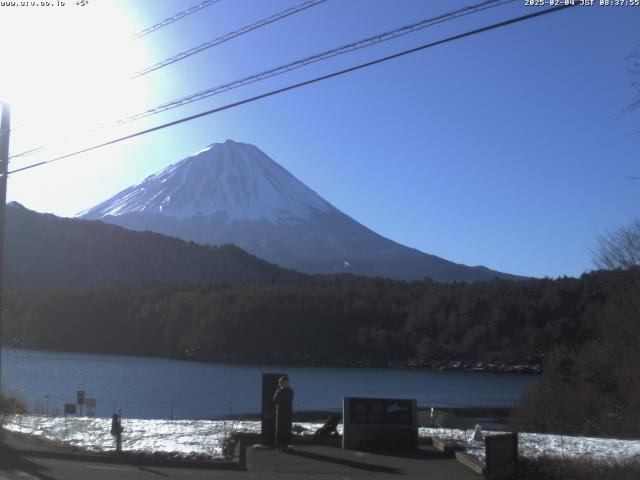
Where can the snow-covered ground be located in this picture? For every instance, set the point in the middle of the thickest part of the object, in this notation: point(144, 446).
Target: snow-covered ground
point(533, 445)
point(183, 438)
point(186, 438)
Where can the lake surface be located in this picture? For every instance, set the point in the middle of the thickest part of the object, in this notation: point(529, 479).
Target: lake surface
point(159, 388)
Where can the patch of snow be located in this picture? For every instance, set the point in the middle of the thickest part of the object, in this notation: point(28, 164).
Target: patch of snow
point(533, 445)
point(206, 149)
point(205, 437)
point(182, 438)
point(233, 178)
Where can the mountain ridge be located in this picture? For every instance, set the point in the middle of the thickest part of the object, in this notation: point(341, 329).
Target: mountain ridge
point(44, 251)
point(234, 193)
point(237, 180)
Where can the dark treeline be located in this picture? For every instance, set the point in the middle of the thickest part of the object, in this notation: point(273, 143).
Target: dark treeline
point(342, 321)
point(593, 387)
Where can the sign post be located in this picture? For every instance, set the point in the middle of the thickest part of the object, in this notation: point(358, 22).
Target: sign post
point(80, 399)
point(69, 409)
point(91, 405)
point(5, 130)
point(116, 430)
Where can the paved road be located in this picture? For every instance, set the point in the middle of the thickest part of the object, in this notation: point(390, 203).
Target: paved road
point(316, 462)
point(24, 459)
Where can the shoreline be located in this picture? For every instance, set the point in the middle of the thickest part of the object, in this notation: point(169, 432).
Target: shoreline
point(525, 367)
point(447, 417)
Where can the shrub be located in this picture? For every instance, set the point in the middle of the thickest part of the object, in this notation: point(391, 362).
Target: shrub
point(9, 405)
point(551, 468)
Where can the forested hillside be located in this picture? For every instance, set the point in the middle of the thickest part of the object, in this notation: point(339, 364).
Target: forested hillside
point(347, 320)
point(592, 387)
point(44, 251)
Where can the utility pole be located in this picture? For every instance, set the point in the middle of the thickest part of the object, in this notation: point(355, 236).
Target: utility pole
point(5, 130)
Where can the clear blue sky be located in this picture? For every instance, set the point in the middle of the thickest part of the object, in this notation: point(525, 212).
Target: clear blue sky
point(508, 149)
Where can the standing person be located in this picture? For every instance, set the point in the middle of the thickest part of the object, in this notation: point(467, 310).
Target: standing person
point(283, 401)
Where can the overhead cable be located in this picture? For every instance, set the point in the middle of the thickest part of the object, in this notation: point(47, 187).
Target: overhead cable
point(174, 18)
point(228, 36)
point(306, 61)
point(301, 84)
point(25, 153)
point(367, 42)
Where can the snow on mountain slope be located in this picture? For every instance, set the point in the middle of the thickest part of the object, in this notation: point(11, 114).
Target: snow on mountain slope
point(232, 192)
point(231, 178)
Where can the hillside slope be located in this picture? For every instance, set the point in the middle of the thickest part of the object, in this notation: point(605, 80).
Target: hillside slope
point(45, 251)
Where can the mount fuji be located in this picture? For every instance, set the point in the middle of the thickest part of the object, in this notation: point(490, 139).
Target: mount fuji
point(232, 192)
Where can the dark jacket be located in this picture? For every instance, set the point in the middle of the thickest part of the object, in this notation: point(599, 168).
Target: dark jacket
point(283, 401)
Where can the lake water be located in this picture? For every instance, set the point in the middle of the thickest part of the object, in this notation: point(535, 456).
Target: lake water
point(159, 388)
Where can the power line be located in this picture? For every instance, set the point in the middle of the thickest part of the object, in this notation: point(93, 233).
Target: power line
point(174, 18)
point(25, 153)
point(367, 42)
point(383, 37)
point(228, 36)
point(302, 84)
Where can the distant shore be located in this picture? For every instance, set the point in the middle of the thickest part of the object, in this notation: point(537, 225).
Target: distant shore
point(527, 366)
point(445, 417)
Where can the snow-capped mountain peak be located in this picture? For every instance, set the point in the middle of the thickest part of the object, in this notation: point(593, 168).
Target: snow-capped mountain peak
point(233, 179)
point(232, 192)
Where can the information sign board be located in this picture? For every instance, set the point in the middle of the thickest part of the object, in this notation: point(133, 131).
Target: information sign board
point(381, 411)
point(380, 424)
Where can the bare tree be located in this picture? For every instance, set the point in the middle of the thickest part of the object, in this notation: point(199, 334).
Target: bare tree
point(619, 249)
point(633, 67)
